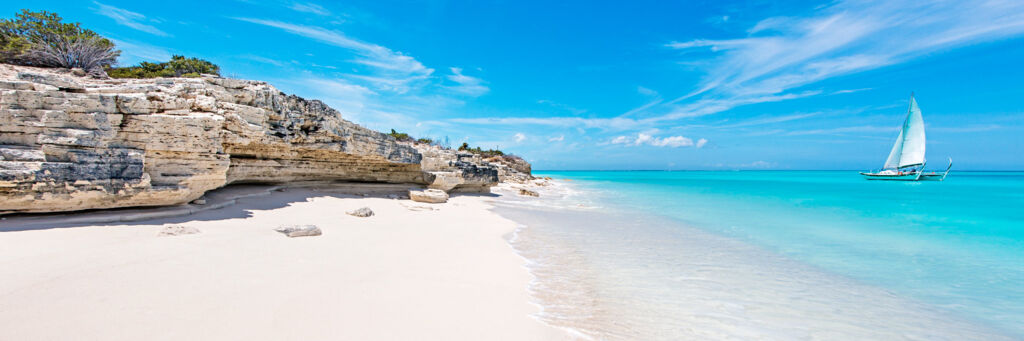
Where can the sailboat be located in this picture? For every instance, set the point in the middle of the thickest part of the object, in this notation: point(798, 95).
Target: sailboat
point(906, 160)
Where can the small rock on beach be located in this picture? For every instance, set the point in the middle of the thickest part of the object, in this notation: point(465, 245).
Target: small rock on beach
point(177, 230)
point(526, 192)
point(362, 212)
point(299, 230)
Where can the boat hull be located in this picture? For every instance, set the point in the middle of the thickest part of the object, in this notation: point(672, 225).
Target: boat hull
point(909, 176)
point(905, 177)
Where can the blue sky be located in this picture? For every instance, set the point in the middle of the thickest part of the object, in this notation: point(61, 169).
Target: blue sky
point(630, 85)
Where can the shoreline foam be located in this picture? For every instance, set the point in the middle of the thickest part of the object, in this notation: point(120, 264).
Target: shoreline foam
point(680, 282)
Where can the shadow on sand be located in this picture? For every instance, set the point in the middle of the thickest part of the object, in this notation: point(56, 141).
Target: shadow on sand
point(230, 202)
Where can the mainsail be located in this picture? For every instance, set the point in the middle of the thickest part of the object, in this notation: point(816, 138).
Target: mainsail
point(909, 147)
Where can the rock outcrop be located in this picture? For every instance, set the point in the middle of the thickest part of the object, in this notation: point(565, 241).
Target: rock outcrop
point(72, 143)
point(455, 171)
point(511, 169)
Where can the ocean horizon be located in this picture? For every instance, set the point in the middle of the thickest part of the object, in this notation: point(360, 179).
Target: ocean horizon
point(543, 171)
point(777, 254)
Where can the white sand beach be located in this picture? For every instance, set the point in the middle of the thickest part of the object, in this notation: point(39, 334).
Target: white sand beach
point(406, 273)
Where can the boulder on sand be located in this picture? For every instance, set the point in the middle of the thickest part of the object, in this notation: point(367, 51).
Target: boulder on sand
point(434, 196)
point(177, 230)
point(526, 192)
point(299, 230)
point(362, 212)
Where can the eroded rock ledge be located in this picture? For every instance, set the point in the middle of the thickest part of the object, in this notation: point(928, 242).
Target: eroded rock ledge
point(71, 143)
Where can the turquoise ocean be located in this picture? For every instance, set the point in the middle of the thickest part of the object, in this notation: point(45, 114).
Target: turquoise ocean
point(776, 255)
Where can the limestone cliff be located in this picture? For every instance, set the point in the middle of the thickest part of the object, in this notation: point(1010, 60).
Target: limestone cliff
point(73, 143)
point(511, 168)
point(452, 170)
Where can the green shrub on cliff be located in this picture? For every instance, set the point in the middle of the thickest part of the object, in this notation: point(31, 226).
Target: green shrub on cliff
point(400, 136)
point(178, 66)
point(42, 39)
point(480, 151)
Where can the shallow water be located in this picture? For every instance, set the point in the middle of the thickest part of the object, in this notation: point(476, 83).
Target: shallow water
point(777, 255)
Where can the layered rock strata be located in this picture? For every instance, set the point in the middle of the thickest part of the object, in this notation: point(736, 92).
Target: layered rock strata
point(456, 171)
point(72, 143)
point(511, 169)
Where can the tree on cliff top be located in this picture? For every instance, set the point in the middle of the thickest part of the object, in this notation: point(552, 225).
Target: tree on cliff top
point(178, 66)
point(42, 39)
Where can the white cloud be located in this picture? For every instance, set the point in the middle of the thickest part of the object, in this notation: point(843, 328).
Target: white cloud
point(467, 85)
point(558, 138)
point(128, 18)
point(780, 55)
point(562, 106)
point(967, 129)
point(621, 123)
point(520, 137)
point(646, 92)
point(768, 120)
point(622, 140)
point(349, 99)
point(783, 53)
point(760, 164)
point(392, 70)
point(776, 61)
point(135, 52)
point(263, 60)
point(651, 140)
point(850, 91)
point(845, 130)
point(309, 7)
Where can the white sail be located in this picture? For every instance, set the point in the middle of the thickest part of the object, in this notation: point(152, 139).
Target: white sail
point(909, 147)
point(893, 161)
point(913, 137)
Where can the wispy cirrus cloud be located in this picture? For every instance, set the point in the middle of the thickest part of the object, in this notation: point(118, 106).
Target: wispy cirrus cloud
point(846, 130)
point(779, 57)
point(696, 109)
point(782, 53)
point(390, 70)
point(769, 120)
point(375, 85)
point(466, 85)
point(133, 52)
point(562, 106)
point(309, 7)
point(849, 91)
point(128, 18)
point(651, 140)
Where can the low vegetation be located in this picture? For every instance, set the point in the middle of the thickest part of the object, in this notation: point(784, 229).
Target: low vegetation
point(178, 66)
point(402, 137)
point(43, 39)
point(480, 151)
